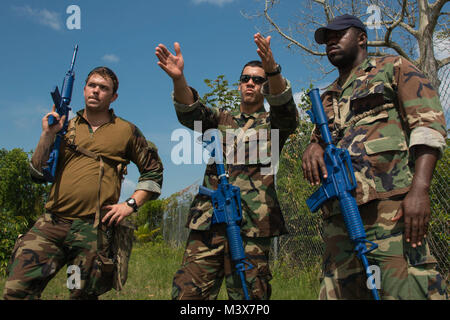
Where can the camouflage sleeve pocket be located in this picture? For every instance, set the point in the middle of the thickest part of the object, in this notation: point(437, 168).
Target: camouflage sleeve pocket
point(385, 144)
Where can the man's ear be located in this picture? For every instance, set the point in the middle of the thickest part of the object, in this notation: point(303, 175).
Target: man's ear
point(114, 97)
point(362, 40)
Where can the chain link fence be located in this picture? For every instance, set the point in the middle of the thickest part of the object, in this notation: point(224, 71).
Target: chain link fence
point(174, 220)
point(303, 246)
point(440, 199)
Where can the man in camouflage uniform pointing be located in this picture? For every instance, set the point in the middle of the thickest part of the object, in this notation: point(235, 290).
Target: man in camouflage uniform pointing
point(207, 258)
point(387, 115)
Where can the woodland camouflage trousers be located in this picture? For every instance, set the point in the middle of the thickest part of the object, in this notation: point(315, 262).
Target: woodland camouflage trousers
point(49, 245)
point(406, 272)
point(207, 261)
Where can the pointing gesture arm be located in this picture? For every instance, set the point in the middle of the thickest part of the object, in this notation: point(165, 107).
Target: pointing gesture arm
point(173, 65)
point(276, 83)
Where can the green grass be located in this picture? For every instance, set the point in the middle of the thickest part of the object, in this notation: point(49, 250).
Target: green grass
point(153, 265)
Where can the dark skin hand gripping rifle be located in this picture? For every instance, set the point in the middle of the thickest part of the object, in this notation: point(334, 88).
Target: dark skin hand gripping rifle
point(338, 185)
point(62, 102)
point(226, 201)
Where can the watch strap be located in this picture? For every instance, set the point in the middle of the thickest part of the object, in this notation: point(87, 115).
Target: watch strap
point(132, 204)
point(277, 71)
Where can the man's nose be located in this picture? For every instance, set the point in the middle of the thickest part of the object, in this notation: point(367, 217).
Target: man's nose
point(250, 82)
point(331, 40)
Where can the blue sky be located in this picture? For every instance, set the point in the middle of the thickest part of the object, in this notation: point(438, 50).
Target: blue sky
point(215, 39)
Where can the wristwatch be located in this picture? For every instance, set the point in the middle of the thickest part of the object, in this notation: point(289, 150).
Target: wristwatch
point(132, 203)
point(277, 71)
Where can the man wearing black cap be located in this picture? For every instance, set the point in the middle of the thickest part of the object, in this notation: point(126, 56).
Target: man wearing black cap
point(387, 115)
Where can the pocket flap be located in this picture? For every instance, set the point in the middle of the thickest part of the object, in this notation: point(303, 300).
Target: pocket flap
point(367, 97)
point(374, 88)
point(385, 144)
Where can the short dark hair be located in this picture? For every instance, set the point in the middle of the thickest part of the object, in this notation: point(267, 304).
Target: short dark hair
point(105, 72)
point(253, 63)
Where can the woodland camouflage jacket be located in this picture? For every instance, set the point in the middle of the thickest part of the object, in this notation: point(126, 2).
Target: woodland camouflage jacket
point(262, 216)
point(386, 107)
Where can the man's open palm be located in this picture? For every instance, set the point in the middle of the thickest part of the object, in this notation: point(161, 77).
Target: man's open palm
point(172, 64)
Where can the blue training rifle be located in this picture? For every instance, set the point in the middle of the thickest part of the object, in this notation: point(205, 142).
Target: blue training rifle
point(339, 184)
point(226, 201)
point(62, 102)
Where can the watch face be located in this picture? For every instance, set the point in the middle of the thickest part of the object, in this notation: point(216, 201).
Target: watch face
point(132, 203)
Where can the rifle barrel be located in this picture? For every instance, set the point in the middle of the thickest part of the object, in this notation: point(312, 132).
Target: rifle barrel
point(74, 57)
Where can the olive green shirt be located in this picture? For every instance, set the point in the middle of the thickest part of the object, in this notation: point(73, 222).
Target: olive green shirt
point(75, 190)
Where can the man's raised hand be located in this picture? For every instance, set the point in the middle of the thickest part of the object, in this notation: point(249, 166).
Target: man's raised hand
point(265, 52)
point(173, 65)
point(55, 128)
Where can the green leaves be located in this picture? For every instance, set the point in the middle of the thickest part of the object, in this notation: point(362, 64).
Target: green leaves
point(21, 200)
point(221, 95)
point(149, 219)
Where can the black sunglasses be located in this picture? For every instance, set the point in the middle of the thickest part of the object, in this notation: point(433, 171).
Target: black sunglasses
point(256, 79)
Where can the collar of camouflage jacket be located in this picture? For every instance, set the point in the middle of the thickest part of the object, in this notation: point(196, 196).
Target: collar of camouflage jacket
point(244, 117)
point(359, 71)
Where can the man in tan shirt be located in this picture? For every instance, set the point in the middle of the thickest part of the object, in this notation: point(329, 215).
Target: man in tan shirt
point(82, 205)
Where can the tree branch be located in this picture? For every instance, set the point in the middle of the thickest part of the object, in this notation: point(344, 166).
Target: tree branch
point(326, 8)
point(435, 8)
point(435, 12)
point(410, 29)
point(443, 62)
point(377, 54)
point(392, 45)
point(290, 39)
point(389, 29)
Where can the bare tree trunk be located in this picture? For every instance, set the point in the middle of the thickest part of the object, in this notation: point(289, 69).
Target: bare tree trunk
point(427, 63)
point(427, 22)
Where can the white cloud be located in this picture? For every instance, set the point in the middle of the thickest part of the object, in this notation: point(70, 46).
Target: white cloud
point(42, 16)
point(219, 3)
point(111, 58)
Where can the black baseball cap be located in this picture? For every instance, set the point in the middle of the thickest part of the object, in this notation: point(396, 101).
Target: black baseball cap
point(339, 23)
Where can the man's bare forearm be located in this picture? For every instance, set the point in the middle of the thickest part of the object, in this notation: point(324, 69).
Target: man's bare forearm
point(426, 158)
point(42, 151)
point(182, 93)
point(142, 196)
